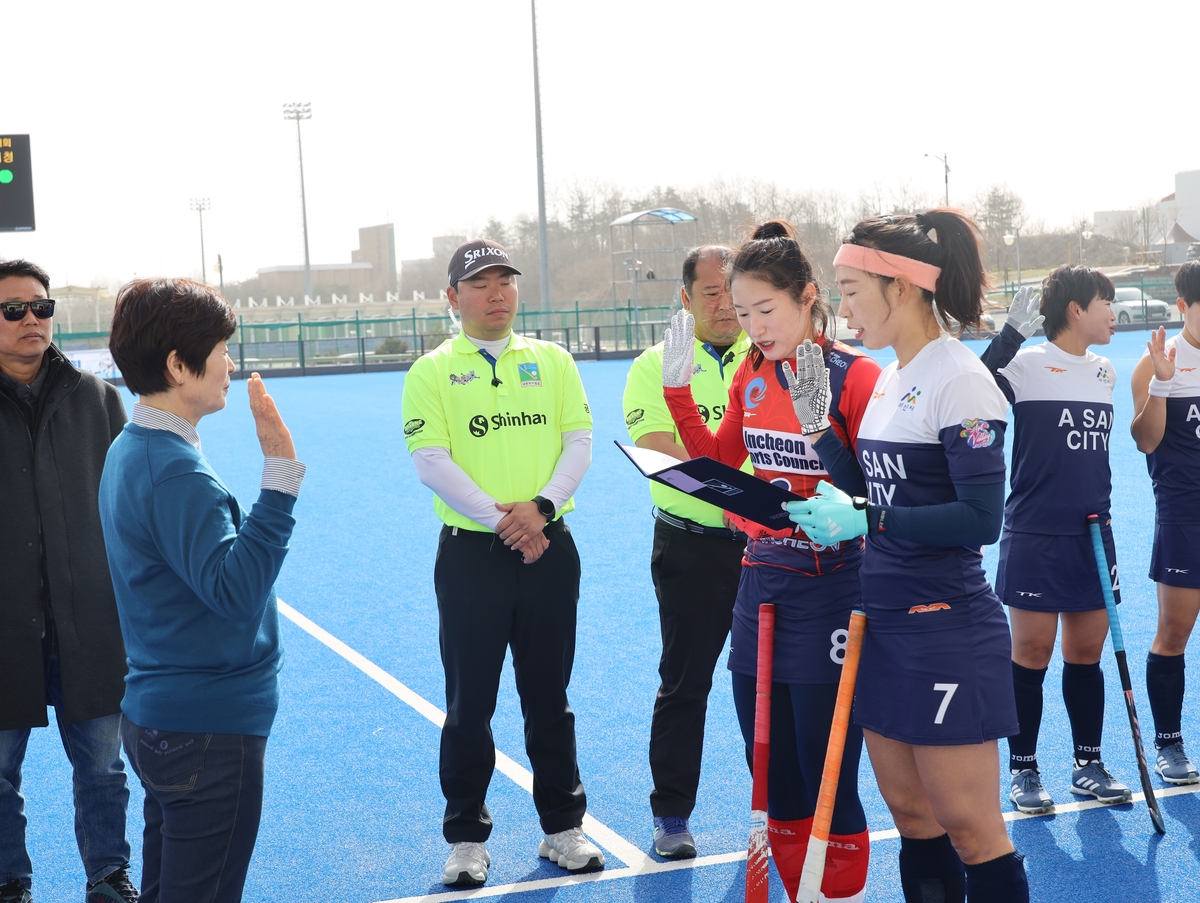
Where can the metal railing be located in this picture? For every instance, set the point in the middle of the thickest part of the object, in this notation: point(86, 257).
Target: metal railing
point(311, 345)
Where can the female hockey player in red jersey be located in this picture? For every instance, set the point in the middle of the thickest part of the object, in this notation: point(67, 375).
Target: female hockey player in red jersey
point(813, 586)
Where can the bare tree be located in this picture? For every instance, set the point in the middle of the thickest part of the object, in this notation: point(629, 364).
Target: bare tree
point(1126, 228)
point(997, 210)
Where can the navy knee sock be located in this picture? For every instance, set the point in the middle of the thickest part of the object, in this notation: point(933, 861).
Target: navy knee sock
point(1083, 693)
point(1164, 686)
point(1022, 747)
point(931, 872)
point(1000, 880)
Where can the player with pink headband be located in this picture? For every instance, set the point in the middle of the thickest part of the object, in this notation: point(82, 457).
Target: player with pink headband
point(935, 684)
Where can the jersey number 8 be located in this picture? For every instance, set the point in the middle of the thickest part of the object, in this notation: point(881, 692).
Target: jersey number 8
point(839, 638)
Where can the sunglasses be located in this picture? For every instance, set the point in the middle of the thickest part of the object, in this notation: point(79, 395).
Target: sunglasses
point(14, 311)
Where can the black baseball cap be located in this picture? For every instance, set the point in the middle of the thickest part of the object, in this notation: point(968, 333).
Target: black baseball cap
point(475, 256)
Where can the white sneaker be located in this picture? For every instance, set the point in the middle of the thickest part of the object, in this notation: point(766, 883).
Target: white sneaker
point(571, 850)
point(467, 865)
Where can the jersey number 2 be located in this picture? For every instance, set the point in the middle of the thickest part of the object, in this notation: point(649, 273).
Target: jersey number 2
point(948, 689)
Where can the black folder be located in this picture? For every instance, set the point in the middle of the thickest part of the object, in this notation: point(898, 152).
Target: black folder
point(718, 484)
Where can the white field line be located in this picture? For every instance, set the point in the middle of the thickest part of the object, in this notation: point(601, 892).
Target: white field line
point(660, 867)
point(1068, 807)
point(497, 890)
point(640, 863)
point(601, 833)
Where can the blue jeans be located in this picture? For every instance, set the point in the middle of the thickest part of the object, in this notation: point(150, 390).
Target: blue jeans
point(101, 793)
point(203, 804)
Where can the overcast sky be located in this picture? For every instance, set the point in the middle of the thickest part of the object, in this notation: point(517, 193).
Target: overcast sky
point(423, 112)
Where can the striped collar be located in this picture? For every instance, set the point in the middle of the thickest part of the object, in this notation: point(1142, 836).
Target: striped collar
point(158, 419)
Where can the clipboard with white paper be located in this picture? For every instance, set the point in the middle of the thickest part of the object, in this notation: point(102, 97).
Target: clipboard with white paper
point(718, 484)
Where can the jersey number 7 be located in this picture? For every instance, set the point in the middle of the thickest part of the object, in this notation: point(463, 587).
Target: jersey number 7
point(948, 689)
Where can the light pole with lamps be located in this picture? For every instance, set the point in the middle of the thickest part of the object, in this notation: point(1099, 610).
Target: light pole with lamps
point(298, 111)
point(1015, 236)
point(946, 166)
point(200, 205)
point(634, 268)
point(543, 242)
point(1084, 235)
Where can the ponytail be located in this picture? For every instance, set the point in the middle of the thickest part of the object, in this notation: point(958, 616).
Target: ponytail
point(944, 238)
point(774, 254)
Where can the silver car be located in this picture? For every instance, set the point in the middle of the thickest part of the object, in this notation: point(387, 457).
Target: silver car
point(1131, 301)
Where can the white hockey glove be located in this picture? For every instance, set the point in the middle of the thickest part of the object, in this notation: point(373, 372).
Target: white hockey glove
point(679, 349)
point(809, 388)
point(1024, 312)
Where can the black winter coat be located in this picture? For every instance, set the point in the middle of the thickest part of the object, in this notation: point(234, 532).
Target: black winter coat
point(53, 478)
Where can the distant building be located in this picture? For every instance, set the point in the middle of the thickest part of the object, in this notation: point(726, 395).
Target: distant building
point(377, 246)
point(1180, 214)
point(1177, 216)
point(372, 270)
point(426, 276)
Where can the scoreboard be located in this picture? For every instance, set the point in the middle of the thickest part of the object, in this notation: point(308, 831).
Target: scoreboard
point(16, 184)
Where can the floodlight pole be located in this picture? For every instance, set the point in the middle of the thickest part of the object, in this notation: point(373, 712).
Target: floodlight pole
point(634, 268)
point(1015, 235)
point(298, 111)
point(200, 205)
point(543, 243)
point(946, 166)
point(221, 274)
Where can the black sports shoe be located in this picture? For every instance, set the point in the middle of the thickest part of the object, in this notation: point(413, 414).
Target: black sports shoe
point(15, 892)
point(116, 888)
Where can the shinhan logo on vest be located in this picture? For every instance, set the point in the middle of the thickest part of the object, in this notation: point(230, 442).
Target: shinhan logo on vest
point(756, 391)
point(480, 423)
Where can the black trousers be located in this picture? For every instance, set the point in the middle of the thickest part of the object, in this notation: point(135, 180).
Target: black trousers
point(696, 580)
point(489, 600)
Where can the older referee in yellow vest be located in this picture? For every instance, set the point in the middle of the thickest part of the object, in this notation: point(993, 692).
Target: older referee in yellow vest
point(696, 561)
point(499, 428)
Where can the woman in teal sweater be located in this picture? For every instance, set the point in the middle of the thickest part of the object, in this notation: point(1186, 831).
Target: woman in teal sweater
point(194, 580)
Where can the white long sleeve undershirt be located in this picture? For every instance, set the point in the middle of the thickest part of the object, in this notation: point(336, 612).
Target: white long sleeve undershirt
point(454, 486)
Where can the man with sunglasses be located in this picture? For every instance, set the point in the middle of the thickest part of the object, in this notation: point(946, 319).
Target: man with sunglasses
point(58, 619)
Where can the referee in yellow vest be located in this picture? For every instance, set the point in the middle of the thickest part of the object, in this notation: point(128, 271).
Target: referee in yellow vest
point(696, 560)
point(499, 428)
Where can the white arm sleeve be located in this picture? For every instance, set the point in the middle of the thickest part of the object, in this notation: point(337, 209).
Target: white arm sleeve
point(572, 464)
point(437, 470)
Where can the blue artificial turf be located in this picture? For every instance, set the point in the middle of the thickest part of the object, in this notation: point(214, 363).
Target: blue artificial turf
point(353, 807)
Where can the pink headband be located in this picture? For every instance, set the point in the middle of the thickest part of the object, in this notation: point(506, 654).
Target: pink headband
point(871, 260)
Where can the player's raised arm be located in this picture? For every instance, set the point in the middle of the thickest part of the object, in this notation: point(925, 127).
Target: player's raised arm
point(1151, 387)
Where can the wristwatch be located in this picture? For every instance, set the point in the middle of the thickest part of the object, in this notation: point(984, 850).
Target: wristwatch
point(545, 507)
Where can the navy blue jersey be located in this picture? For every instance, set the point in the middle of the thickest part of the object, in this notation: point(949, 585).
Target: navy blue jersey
point(1062, 405)
point(934, 423)
point(1175, 465)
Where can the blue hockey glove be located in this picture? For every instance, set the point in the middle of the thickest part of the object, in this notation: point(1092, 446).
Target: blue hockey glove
point(829, 516)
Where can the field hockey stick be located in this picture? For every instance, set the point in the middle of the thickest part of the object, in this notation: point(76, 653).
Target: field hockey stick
point(1118, 641)
point(818, 840)
point(756, 853)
